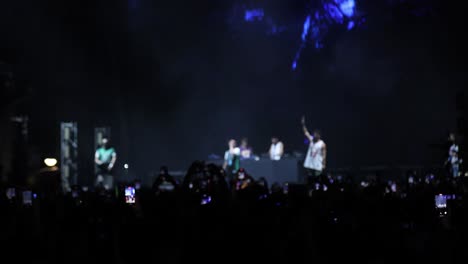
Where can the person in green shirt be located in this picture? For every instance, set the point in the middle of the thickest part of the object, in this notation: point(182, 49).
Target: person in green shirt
point(231, 160)
point(105, 159)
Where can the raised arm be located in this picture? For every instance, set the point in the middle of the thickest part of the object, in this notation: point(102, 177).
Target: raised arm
point(304, 128)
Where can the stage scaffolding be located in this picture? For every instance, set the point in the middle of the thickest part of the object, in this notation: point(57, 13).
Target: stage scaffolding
point(68, 154)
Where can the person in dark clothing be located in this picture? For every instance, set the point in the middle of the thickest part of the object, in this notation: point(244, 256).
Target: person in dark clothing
point(164, 182)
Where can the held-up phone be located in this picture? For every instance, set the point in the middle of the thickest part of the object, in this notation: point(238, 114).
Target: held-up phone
point(206, 199)
point(130, 195)
point(11, 193)
point(27, 198)
point(441, 201)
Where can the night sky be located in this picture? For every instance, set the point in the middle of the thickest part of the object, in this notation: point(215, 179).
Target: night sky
point(176, 79)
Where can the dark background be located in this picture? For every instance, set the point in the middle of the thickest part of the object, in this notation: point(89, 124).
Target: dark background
point(176, 79)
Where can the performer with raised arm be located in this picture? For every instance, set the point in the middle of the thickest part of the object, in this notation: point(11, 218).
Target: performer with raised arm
point(316, 159)
point(454, 160)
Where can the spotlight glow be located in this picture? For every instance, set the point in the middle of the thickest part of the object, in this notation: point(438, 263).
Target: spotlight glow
point(50, 162)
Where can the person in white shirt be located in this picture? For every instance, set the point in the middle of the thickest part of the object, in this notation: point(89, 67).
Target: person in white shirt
point(453, 160)
point(316, 159)
point(276, 149)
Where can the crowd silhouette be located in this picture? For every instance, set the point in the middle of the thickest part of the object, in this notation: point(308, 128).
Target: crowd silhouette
point(205, 218)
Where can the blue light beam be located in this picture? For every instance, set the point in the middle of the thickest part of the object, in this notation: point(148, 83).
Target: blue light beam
point(305, 31)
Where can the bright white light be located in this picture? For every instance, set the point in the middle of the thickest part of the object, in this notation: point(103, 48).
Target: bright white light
point(50, 162)
point(126, 166)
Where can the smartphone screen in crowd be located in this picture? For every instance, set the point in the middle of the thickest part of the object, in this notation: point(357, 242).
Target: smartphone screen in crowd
point(129, 195)
point(27, 198)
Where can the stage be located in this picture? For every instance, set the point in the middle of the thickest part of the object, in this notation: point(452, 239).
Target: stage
point(291, 170)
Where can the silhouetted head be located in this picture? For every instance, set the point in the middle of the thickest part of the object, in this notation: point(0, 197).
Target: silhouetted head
point(274, 140)
point(232, 143)
point(452, 137)
point(241, 174)
point(105, 142)
point(244, 142)
point(317, 134)
point(163, 170)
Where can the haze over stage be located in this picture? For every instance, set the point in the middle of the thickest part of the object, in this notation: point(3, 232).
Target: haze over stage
point(175, 80)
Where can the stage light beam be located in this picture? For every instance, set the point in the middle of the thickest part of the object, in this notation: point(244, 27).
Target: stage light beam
point(305, 31)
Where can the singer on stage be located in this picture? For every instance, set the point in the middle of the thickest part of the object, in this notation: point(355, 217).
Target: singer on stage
point(454, 160)
point(316, 159)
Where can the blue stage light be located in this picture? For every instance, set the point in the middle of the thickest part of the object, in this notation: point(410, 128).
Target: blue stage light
point(306, 28)
point(334, 12)
point(318, 22)
point(294, 65)
point(347, 7)
point(253, 15)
